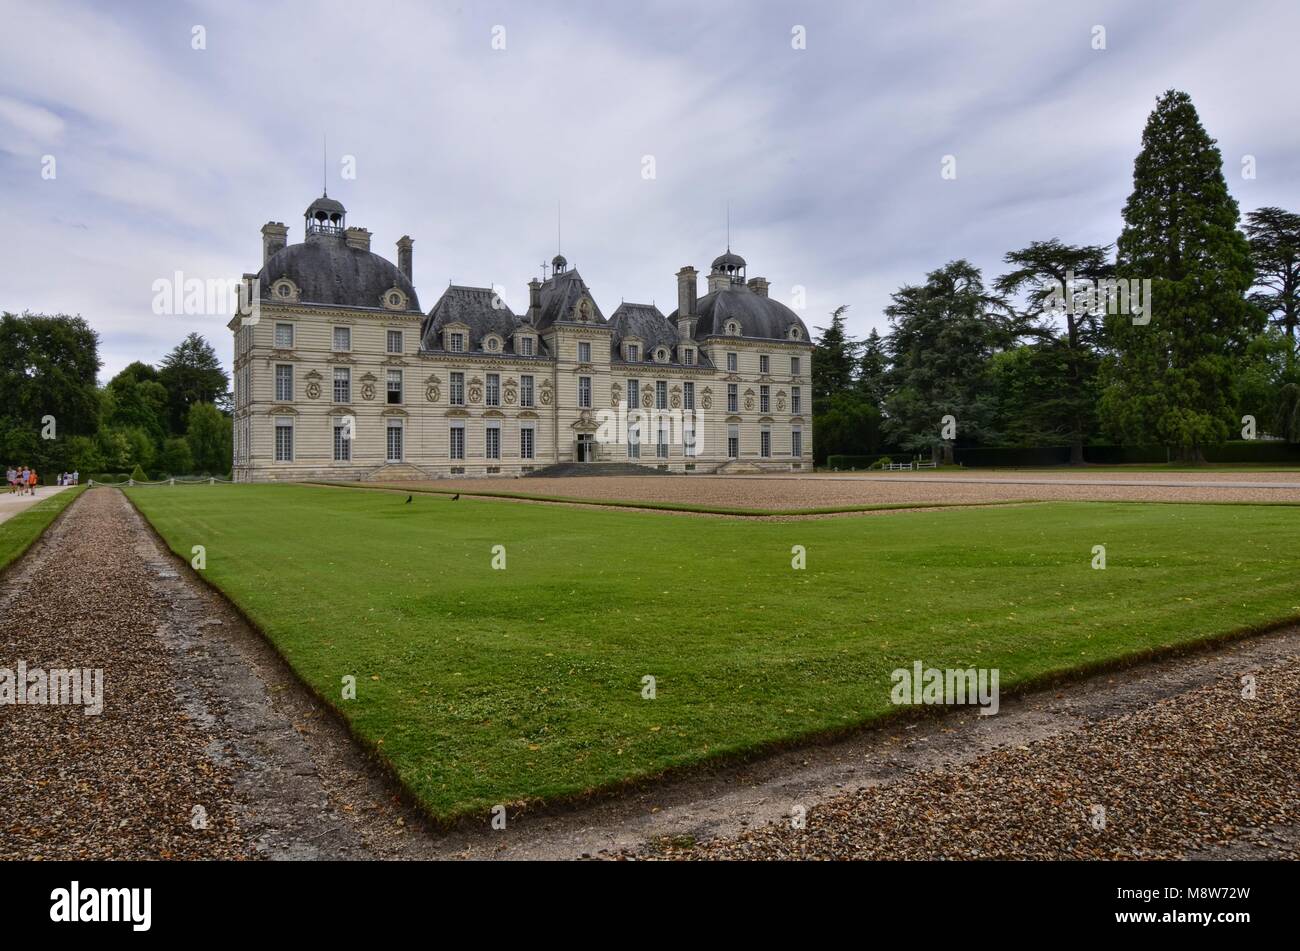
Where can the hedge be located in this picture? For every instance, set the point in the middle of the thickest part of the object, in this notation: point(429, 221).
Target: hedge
point(1240, 450)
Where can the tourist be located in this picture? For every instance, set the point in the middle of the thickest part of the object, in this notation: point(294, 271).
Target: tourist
point(12, 476)
point(31, 480)
point(76, 476)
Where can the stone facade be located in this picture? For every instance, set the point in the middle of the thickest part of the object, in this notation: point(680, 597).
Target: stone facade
point(339, 375)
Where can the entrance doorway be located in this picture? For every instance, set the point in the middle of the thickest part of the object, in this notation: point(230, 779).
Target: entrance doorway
point(586, 448)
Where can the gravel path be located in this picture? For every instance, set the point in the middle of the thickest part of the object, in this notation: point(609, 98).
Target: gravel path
point(1207, 773)
point(813, 491)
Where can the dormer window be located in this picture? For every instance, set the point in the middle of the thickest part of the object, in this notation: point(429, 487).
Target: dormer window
point(395, 299)
point(661, 355)
point(733, 328)
point(526, 346)
point(492, 343)
point(456, 343)
point(794, 333)
point(688, 356)
point(633, 353)
point(284, 289)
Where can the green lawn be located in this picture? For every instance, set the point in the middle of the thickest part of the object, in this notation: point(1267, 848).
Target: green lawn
point(485, 686)
point(18, 533)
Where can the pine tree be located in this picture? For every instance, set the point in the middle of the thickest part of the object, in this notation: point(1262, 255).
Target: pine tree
point(873, 370)
point(833, 360)
point(1274, 236)
point(1171, 379)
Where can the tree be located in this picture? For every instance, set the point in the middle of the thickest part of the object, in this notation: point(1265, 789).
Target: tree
point(850, 425)
point(1274, 237)
point(176, 458)
point(209, 437)
point(943, 334)
point(192, 374)
point(133, 401)
point(873, 370)
point(1056, 278)
point(1171, 379)
point(834, 355)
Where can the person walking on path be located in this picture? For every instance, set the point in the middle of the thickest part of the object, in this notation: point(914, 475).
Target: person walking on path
point(31, 481)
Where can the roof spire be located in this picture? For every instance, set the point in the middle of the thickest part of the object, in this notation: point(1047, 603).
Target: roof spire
point(728, 224)
point(324, 176)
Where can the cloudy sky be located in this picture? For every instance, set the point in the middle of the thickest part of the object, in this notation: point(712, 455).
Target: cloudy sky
point(169, 158)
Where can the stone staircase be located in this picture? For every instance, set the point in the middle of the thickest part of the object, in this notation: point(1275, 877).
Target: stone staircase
point(396, 472)
point(594, 469)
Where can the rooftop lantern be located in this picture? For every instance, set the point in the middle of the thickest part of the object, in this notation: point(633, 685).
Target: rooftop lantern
point(325, 216)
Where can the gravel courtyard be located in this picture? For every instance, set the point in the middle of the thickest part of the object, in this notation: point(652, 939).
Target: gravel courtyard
point(778, 492)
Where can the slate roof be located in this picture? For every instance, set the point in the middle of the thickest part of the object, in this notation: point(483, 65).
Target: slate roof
point(328, 271)
point(560, 295)
point(758, 316)
point(472, 306)
point(648, 323)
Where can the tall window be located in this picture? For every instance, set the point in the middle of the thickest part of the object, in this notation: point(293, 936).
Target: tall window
point(688, 396)
point(661, 444)
point(731, 363)
point(284, 382)
point(733, 400)
point(688, 357)
point(796, 400)
point(284, 440)
point(584, 352)
point(526, 349)
point(394, 386)
point(457, 441)
point(342, 384)
point(342, 339)
point(796, 443)
point(584, 392)
point(634, 438)
point(764, 363)
point(342, 444)
point(394, 440)
point(733, 442)
point(764, 399)
point(661, 394)
point(394, 341)
point(794, 366)
point(688, 437)
point(526, 390)
point(284, 336)
point(633, 352)
point(493, 389)
point(633, 394)
point(457, 343)
point(526, 442)
point(457, 395)
point(493, 445)
point(765, 443)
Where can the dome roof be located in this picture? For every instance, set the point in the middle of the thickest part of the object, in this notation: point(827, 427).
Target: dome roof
point(326, 206)
point(559, 261)
point(326, 270)
point(755, 314)
point(728, 261)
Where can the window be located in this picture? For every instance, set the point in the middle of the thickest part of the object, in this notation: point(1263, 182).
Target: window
point(796, 443)
point(284, 382)
point(493, 389)
point(457, 396)
point(526, 442)
point(526, 350)
point(457, 442)
point(457, 343)
point(733, 401)
point(394, 386)
point(493, 446)
point(584, 352)
point(764, 399)
point(342, 443)
point(688, 396)
point(633, 394)
point(526, 391)
point(661, 394)
point(342, 384)
point(733, 442)
point(731, 363)
point(688, 357)
point(764, 363)
point(796, 400)
point(394, 341)
point(794, 366)
point(394, 440)
point(765, 444)
point(661, 445)
point(284, 440)
point(661, 355)
point(688, 437)
point(634, 438)
point(342, 339)
point(584, 392)
point(283, 336)
point(633, 352)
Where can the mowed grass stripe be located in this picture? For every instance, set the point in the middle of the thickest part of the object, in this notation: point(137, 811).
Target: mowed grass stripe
point(485, 687)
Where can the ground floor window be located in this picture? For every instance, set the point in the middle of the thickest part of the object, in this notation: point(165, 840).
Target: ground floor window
point(796, 443)
point(342, 443)
point(284, 440)
point(458, 442)
point(634, 441)
point(733, 443)
point(394, 442)
point(688, 437)
point(661, 445)
point(494, 442)
point(526, 450)
point(765, 444)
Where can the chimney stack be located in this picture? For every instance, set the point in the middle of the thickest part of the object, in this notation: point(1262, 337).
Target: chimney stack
point(274, 237)
point(758, 285)
point(686, 291)
point(358, 238)
point(534, 300)
point(404, 244)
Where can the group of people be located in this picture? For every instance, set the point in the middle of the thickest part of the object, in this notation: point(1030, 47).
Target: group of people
point(22, 480)
point(69, 478)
